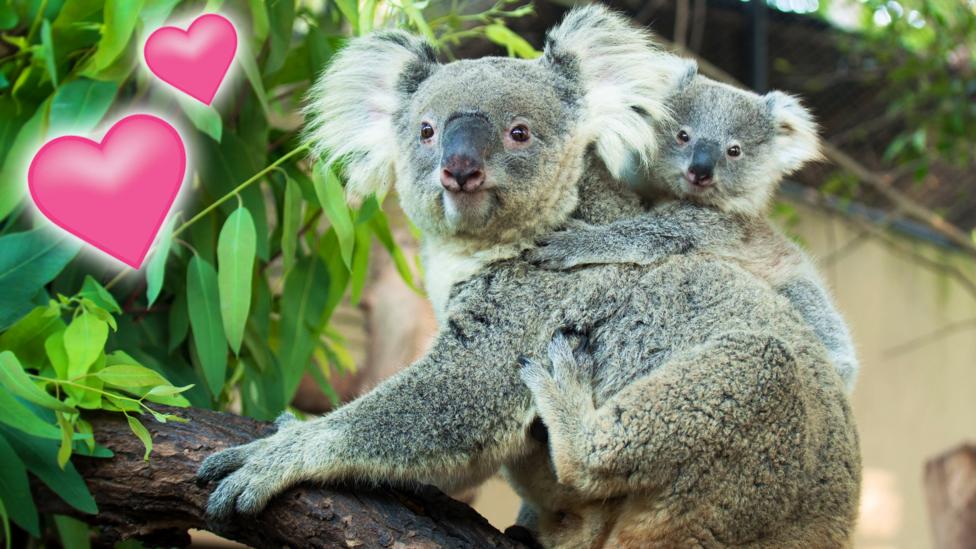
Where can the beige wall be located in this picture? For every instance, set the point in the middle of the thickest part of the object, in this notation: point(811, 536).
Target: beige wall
point(913, 400)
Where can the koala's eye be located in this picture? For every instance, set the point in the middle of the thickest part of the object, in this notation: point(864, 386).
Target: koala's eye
point(426, 130)
point(519, 133)
point(733, 151)
point(683, 136)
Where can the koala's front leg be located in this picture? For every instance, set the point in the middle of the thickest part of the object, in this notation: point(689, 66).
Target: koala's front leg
point(450, 419)
point(563, 397)
point(666, 428)
point(643, 240)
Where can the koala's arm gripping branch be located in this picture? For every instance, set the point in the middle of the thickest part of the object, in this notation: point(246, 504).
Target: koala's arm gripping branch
point(158, 500)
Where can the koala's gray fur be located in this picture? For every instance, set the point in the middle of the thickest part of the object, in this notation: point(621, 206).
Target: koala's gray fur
point(776, 136)
point(725, 424)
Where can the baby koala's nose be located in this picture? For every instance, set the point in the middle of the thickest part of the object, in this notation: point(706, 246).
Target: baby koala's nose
point(700, 175)
point(462, 173)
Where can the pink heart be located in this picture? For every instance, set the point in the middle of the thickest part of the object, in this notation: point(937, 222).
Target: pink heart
point(196, 60)
point(115, 194)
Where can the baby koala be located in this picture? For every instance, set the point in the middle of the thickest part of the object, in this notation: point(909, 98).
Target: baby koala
point(722, 157)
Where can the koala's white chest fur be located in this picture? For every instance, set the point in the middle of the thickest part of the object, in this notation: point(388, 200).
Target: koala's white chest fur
point(446, 264)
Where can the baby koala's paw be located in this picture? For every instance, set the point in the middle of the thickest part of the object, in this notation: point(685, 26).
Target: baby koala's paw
point(580, 244)
point(564, 386)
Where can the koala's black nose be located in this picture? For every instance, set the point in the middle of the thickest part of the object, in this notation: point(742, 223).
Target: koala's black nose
point(462, 173)
point(701, 174)
point(466, 141)
point(703, 160)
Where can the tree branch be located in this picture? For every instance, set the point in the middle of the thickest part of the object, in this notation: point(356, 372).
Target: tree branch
point(157, 501)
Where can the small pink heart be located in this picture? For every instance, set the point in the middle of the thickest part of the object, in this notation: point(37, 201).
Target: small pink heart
point(115, 194)
point(196, 60)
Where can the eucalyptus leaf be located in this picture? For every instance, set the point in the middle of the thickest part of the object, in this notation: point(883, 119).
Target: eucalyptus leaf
point(29, 261)
point(16, 380)
point(236, 249)
point(15, 490)
point(40, 457)
point(78, 106)
point(156, 267)
point(204, 117)
point(128, 376)
point(47, 48)
point(328, 188)
point(140, 431)
point(84, 340)
point(203, 304)
point(18, 416)
point(119, 26)
point(291, 223)
point(304, 298)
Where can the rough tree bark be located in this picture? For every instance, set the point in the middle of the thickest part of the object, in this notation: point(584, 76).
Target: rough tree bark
point(157, 501)
point(950, 486)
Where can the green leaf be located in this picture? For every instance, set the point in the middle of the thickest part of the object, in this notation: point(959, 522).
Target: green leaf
point(253, 75)
point(203, 303)
point(97, 293)
point(303, 300)
point(328, 188)
point(236, 249)
point(282, 22)
point(40, 457)
point(84, 341)
point(8, 20)
point(515, 44)
point(156, 269)
point(14, 171)
point(179, 322)
point(29, 261)
point(128, 376)
point(73, 533)
point(18, 416)
point(26, 338)
point(54, 349)
point(13, 377)
point(67, 429)
point(381, 228)
point(204, 117)
point(140, 431)
point(6, 525)
point(47, 49)
point(291, 224)
point(360, 263)
point(350, 11)
point(15, 490)
point(78, 106)
point(259, 21)
point(121, 17)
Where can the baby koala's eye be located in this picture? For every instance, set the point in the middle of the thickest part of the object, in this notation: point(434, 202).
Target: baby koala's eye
point(519, 133)
point(683, 136)
point(733, 151)
point(426, 131)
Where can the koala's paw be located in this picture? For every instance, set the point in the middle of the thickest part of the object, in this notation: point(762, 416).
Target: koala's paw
point(249, 476)
point(563, 387)
point(580, 244)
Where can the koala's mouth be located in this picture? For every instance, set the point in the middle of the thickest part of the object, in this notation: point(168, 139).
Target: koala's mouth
point(468, 209)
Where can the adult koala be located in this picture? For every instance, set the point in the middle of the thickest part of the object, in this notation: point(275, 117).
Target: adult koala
point(744, 433)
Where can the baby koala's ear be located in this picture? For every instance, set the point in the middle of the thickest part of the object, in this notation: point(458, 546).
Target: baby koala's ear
point(796, 141)
point(351, 107)
point(623, 76)
point(683, 73)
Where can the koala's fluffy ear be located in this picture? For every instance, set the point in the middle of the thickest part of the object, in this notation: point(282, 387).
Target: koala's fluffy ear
point(624, 77)
point(796, 141)
point(351, 108)
point(683, 74)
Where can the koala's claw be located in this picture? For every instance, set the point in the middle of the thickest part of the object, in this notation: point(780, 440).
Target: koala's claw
point(221, 464)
